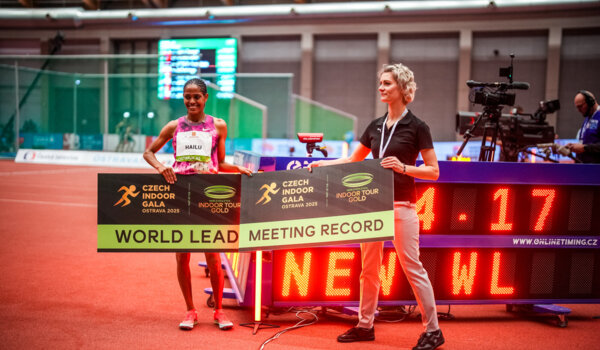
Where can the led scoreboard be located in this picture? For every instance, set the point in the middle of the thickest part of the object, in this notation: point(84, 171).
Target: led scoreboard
point(184, 59)
point(504, 209)
point(490, 233)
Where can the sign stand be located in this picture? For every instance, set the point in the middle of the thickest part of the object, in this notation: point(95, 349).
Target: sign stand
point(257, 324)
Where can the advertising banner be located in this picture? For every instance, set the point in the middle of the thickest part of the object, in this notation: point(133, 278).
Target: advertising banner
point(91, 158)
point(346, 203)
point(143, 213)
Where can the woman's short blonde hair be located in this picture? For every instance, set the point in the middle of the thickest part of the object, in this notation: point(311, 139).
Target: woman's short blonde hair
point(405, 79)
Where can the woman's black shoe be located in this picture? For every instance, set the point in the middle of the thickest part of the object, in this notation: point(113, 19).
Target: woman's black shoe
point(357, 334)
point(430, 340)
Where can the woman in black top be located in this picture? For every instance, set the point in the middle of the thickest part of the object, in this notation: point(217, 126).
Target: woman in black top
point(397, 138)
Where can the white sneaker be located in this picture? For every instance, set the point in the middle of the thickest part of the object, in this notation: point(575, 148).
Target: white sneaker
point(190, 320)
point(222, 321)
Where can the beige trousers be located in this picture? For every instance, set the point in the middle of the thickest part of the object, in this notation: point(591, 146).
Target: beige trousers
point(406, 242)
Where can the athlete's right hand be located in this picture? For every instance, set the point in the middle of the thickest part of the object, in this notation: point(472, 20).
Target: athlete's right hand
point(168, 174)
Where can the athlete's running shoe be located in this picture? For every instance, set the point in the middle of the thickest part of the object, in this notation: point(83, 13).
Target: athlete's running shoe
point(222, 321)
point(190, 320)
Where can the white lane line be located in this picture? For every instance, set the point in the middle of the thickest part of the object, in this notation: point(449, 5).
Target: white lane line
point(40, 172)
point(6, 186)
point(48, 203)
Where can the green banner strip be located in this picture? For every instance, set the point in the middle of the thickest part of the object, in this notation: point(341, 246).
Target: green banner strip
point(374, 226)
point(168, 238)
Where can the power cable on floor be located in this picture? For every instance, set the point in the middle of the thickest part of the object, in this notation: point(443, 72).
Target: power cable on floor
point(446, 315)
point(300, 324)
point(394, 314)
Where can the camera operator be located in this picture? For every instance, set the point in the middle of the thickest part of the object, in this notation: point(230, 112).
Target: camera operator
point(588, 148)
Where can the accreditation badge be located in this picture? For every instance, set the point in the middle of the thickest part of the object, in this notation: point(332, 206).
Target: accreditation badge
point(193, 146)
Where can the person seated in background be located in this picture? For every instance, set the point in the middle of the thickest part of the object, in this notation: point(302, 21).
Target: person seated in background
point(588, 148)
point(126, 141)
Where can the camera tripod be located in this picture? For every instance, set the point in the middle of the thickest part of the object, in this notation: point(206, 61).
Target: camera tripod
point(490, 133)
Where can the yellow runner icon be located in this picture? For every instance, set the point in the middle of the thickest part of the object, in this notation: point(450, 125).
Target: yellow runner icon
point(269, 189)
point(128, 191)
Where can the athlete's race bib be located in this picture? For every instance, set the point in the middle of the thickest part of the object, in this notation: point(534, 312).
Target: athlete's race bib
point(193, 146)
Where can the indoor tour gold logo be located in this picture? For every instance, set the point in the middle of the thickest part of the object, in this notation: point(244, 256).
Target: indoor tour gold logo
point(219, 192)
point(268, 190)
point(356, 190)
point(357, 180)
point(127, 191)
point(219, 201)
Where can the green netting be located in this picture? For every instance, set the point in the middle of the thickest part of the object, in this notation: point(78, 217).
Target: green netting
point(135, 95)
point(312, 117)
point(127, 64)
point(105, 95)
point(274, 91)
point(52, 102)
point(244, 123)
point(8, 102)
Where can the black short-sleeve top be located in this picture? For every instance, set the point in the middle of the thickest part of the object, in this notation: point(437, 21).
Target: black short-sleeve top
point(410, 137)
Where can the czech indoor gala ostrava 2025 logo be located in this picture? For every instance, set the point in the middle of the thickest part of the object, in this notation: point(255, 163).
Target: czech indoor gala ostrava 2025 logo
point(127, 191)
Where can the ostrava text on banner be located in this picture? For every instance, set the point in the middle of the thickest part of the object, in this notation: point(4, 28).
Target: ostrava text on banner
point(141, 212)
point(346, 203)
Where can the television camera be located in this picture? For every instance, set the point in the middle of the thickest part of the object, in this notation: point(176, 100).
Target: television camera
point(311, 139)
point(516, 133)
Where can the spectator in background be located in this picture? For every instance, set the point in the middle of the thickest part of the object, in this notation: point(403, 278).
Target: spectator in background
point(126, 141)
point(588, 148)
